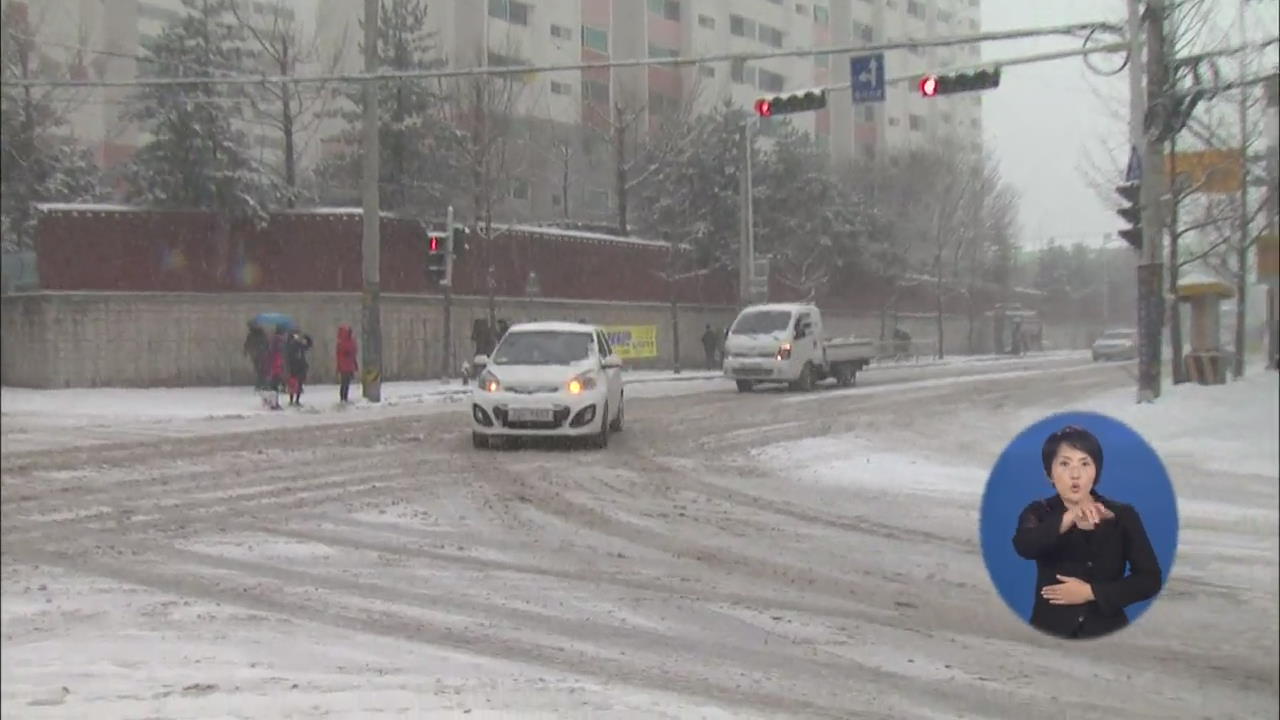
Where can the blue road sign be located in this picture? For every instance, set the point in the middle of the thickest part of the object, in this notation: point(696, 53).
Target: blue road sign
point(866, 73)
point(1133, 173)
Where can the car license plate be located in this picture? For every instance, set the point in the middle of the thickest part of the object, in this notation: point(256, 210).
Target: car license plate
point(530, 414)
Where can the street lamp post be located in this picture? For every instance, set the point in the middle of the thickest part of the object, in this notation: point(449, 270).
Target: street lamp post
point(746, 240)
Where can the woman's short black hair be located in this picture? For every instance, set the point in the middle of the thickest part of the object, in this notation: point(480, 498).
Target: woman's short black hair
point(1078, 438)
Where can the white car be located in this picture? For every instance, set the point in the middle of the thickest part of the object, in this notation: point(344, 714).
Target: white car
point(548, 379)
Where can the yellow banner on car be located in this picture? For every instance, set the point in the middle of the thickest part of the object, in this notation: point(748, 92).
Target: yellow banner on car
point(633, 341)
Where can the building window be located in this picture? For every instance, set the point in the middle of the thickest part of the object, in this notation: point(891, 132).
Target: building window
point(561, 88)
point(916, 50)
point(771, 81)
point(944, 16)
point(706, 71)
point(868, 113)
point(821, 15)
point(822, 61)
point(915, 9)
point(973, 3)
point(658, 51)
point(668, 9)
point(556, 200)
point(740, 73)
point(869, 152)
point(660, 104)
point(973, 24)
point(894, 122)
point(802, 9)
point(770, 36)
point(598, 198)
point(561, 32)
point(915, 122)
point(865, 32)
point(519, 189)
point(514, 12)
point(707, 22)
point(500, 60)
point(741, 26)
point(595, 91)
point(595, 39)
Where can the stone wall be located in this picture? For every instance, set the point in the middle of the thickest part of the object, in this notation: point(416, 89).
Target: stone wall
point(95, 339)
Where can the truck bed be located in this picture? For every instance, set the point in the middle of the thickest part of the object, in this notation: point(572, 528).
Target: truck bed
point(848, 349)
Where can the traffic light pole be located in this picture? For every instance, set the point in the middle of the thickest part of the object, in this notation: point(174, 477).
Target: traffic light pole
point(447, 285)
point(746, 235)
point(370, 243)
point(1151, 305)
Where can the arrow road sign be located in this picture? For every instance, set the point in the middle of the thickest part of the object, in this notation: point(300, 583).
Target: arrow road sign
point(866, 74)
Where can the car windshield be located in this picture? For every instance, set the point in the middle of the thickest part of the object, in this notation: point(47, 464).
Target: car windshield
point(1118, 335)
point(542, 348)
point(762, 322)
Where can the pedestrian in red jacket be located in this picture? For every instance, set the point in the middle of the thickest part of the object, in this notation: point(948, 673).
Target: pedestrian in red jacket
point(347, 364)
point(275, 367)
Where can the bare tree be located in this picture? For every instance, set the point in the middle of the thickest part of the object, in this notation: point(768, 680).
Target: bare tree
point(638, 151)
point(481, 115)
point(294, 110)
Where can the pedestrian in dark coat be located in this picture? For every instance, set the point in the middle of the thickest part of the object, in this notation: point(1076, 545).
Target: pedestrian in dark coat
point(296, 359)
point(710, 343)
point(346, 361)
point(255, 348)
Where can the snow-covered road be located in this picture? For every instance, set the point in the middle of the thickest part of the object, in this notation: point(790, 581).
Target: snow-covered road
point(728, 556)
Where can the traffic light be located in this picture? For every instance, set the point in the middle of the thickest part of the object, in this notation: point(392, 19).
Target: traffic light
point(461, 241)
point(1132, 214)
point(932, 85)
point(437, 257)
point(802, 101)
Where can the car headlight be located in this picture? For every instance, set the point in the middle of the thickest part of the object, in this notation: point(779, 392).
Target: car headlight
point(585, 381)
point(784, 351)
point(489, 382)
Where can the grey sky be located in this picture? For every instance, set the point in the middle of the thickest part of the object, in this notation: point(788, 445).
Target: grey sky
point(1048, 122)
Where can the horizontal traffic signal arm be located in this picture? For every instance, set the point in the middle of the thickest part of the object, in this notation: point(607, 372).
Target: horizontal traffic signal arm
point(933, 85)
point(800, 101)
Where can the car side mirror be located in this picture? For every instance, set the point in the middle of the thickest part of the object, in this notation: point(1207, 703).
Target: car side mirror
point(611, 362)
point(480, 361)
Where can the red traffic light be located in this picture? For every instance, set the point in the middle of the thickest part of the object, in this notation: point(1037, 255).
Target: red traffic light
point(929, 85)
point(433, 243)
point(764, 108)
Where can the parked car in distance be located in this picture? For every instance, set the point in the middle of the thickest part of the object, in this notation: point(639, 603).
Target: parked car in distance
point(1117, 344)
point(548, 379)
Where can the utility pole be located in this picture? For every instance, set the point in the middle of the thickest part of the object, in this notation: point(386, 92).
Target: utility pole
point(448, 294)
point(746, 239)
point(1152, 191)
point(1242, 250)
point(370, 244)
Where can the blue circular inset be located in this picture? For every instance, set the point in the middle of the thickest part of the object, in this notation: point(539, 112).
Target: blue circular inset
point(1131, 473)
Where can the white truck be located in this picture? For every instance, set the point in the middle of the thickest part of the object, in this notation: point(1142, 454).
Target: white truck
point(785, 343)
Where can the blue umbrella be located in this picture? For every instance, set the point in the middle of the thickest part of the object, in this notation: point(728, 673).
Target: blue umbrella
point(269, 320)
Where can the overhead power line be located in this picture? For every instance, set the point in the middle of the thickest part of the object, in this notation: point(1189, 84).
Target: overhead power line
point(1068, 29)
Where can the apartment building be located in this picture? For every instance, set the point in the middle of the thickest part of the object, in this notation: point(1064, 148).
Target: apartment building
point(541, 32)
point(105, 40)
